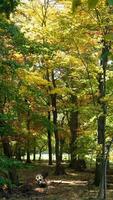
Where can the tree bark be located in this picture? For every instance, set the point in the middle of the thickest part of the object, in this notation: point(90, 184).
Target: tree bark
point(6, 146)
point(49, 141)
point(73, 124)
point(59, 169)
point(57, 147)
point(61, 148)
point(49, 119)
point(98, 170)
point(28, 153)
point(34, 154)
point(8, 152)
point(28, 139)
point(18, 151)
point(40, 154)
point(102, 119)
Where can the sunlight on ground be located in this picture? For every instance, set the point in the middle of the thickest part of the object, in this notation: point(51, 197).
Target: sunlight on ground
point(70, 182)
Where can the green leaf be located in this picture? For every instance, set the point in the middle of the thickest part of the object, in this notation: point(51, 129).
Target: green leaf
point(110, 2)
point(109, 36)
point(75, 4)
point(92, 3)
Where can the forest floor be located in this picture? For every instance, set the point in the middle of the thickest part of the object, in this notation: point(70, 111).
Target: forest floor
point(72, 186)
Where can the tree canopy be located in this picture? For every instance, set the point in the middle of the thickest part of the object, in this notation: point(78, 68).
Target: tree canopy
point(56, 81)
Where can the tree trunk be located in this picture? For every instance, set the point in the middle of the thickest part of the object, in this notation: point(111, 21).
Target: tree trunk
point(28, 139)
point(73, 124)
point(49, 118)
point(98, 170)
point(57, 147)
point(28, 151)
point(8, 152)
point(18, 143)
point(13, 176)
point(49, 141)
point(18, 151)
point(6, 146)
point(62, 139)
point(61, 149)
point(40, 155)
point(34, 154)
point(102, 119)
point(28, 155)
point(59, 169)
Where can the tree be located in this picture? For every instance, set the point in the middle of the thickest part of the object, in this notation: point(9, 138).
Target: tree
point(12, 58)
point(48, 72)
point(8, 6)
point(91, 4)
point(103, 30)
